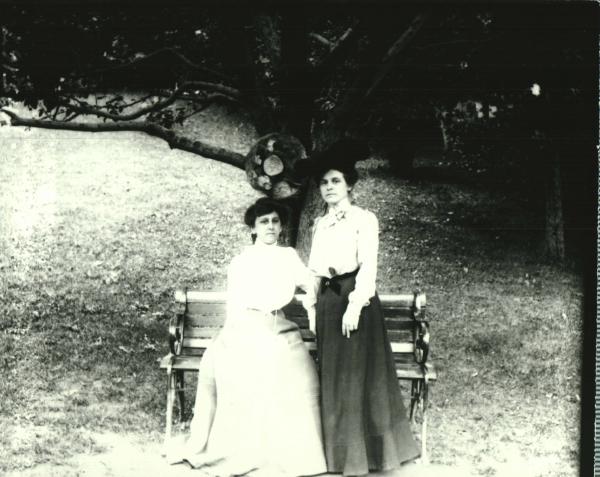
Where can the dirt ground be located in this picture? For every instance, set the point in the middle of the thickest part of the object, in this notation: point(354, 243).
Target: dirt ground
point(131, 456)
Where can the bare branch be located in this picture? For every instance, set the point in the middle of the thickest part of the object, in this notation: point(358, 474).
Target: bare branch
point(85, 108)
point(195, 111)
point(365, 82)
point(175, 140)
point(391, 56)
point(171, 52)
point(223, 92)
point(9, 68)
point(71, 117)
point(215, 87)
point(321, 39)
point(132, 103)
point(338, 49)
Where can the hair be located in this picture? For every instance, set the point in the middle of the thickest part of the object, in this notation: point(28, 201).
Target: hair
point(264, 206)
point(350, 174)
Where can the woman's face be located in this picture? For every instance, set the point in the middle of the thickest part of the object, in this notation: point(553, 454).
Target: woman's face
point(267, 228)
point(334, 187)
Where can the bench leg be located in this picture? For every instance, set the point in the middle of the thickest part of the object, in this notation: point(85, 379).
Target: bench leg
point(424, 397)
point(170, 403)
point(180, 394)
point(415, 393)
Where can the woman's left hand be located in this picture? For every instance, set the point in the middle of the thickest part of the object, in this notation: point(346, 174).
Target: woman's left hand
point(350, 321)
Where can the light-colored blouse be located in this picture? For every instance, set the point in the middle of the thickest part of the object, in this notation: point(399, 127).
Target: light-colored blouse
point(264, 277)
point(343, 241)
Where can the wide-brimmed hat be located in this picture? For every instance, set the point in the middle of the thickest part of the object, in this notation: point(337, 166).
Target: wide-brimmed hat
point(342, 156)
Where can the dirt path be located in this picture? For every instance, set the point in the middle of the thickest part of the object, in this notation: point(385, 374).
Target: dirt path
point(129, 456)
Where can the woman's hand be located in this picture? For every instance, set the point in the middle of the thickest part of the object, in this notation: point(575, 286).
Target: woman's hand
point(350, 321)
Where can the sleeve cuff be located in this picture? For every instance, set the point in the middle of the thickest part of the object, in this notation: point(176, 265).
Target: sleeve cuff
point(356, 306)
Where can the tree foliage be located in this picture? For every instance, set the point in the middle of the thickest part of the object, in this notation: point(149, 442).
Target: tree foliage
point(398, 76)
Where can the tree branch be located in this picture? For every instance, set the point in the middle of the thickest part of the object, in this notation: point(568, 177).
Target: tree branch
point(321, 39)
point(223, 92)
point(391, 57)
point(233, 93)
point(175, 140)
point(365, 82)
point(172, 52)
point(338, 49)
point(85, 108)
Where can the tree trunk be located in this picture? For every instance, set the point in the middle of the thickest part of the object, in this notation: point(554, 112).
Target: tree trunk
point(554, 238)
point(312, 207)
point(264, 47)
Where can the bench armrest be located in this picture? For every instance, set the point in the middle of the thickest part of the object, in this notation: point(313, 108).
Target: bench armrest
point(176, 333)
point(422, 342)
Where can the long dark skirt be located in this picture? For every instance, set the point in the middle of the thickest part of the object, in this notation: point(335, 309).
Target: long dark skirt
point(364, 420)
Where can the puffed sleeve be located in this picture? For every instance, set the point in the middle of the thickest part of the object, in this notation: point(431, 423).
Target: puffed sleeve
point(367, 249)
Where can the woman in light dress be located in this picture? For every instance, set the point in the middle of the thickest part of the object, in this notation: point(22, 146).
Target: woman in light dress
point(364, 419)
point(257, 403)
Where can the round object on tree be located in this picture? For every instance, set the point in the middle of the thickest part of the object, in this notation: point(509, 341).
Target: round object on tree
point(271, 161)
point(263, 182)
point(283, 189)
point(273, 166)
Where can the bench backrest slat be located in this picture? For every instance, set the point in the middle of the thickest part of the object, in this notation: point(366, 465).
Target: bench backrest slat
point(206, 313)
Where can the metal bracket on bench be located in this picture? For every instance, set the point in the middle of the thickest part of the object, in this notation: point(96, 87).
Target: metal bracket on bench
point(176, 324)
point(422, 343)
point(176, 334)
point(419, 306)
point(421, 333)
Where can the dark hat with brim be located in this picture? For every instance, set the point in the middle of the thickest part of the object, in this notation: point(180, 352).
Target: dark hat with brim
point(341, 156)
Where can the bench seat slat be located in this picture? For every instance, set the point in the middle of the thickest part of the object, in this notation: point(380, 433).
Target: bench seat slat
point(209, 332)
point(400, 335)
point(205, 319)
point(204, 342)
point(399, 324)
point(217, 319)
point(415, 372)
point(214, 320)
point(191, 363)
point(201, 331)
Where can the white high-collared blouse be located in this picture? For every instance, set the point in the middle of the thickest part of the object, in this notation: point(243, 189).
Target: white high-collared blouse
point(343, 241)
point(264, 277)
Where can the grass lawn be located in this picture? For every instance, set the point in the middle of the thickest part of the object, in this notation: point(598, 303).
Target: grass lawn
point(96, 231)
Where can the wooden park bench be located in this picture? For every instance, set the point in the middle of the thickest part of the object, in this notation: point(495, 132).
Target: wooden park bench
point(202, 314)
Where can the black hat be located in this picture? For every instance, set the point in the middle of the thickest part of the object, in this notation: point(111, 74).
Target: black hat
point(341, 156)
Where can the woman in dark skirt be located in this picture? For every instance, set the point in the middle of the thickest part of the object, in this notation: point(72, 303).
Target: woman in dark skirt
point(364, 420)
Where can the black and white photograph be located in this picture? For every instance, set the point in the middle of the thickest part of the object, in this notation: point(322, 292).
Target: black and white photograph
point(298, 239)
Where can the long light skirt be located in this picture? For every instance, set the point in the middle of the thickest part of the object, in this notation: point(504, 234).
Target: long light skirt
point(257, 404)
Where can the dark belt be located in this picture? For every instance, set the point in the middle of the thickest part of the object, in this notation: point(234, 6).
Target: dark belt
point(334, 282)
